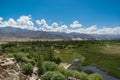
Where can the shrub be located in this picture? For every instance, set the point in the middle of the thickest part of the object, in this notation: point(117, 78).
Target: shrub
point(95, 76)
point(50, 66)
point(55, 75)
point(27, 68)
point(57, 59)
point(19, 56)
point(10, 55)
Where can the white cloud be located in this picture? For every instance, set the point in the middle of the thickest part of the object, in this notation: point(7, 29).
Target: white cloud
point(94, 30)
point(91, 28)
point(25, 22)
point(54, 25)
point(108, 30)
point(1, 20)
point(116, 30)
point(11, 22)
point(38, 22)
point(79, 30)
point(43, 25)
point(105, 31)
point(63, 28)
point(75, 24)
point(43, 21)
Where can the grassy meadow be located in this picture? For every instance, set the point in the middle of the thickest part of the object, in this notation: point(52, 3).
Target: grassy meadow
point(105, 55)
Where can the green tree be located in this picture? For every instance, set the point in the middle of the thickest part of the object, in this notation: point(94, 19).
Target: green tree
point(50, 66)
point(53, 75)
point(50, 55)
point(47, 75)
point(78, 75)
point(20, 56)
point(57, 59)
point(75, 74)
point(27, 68)
point(57, 76)
point(65, 71)
point(10, 55)
point(40, 65)
point(95, 76)
point(82, 76)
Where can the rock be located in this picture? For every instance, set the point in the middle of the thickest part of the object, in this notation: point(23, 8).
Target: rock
point(11, 75)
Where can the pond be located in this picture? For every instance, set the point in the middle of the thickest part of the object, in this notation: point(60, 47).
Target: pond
point(118, 68)
point(96, 70)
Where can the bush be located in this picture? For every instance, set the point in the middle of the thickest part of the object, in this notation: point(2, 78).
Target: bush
point(78, 75)
point(27, 68)
point(10, 55)
point(55, 75)
point(58, 76)
point(47, 75)
point(95, 77)
point(57, 59)
point(19, 56)
point(28, 60)
point(50, 66)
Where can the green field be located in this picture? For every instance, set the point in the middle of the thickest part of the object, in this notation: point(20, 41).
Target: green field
point(106, 57)
point(103, 54)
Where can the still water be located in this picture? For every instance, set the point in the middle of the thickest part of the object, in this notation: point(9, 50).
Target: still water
point(96, 70)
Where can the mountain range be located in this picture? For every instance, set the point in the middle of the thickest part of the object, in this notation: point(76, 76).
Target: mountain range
point(10, 32)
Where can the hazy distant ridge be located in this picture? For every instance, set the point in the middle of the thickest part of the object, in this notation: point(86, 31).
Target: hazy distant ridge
point(9, 32)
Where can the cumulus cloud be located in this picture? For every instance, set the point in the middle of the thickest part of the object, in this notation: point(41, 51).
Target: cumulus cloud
point(63, 28)
point(11, 22)
point(43, 25)
point(75, 24)
point(108, 30)
point(25, 22)
point(38, 22)
point(91, 28)
point(1, 18)
point(54, 27)
point(116, 30)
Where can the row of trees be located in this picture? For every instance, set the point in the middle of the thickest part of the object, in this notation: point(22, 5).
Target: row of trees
point(52, 71)
point(31, 46)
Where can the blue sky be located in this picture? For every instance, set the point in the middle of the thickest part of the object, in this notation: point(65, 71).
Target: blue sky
point(103, 13)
